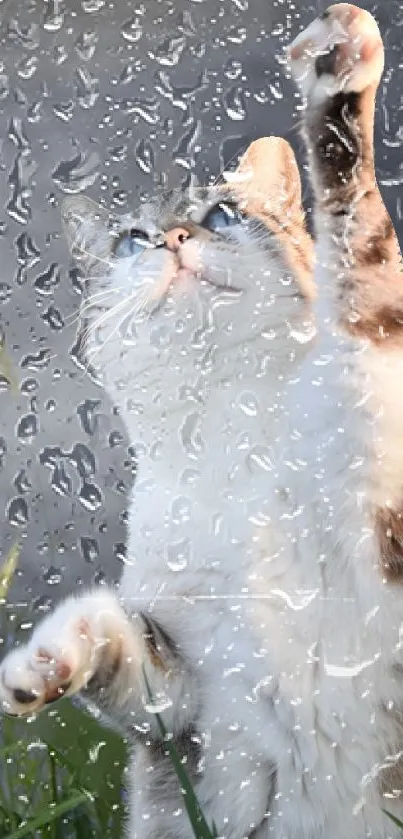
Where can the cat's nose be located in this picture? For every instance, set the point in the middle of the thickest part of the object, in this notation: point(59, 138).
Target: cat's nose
point(175, 238)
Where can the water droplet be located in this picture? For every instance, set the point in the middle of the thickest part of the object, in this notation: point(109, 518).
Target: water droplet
point(90, 496)
point(27, 252)
point(50, 456)
point(178, 555)
point(45, 283)
point(3, 451)
point(83, 459)
point(168, 51)
point(237, 35)
point(259, 458)
point(233, 69)
point(132, 30)
point(60, 54)
point(27, 428)
point(159, 703)
point(115, 439)
point(87, 88)
point(54, 17)
point(22, 482)
point(26, 68)
point(64, 110)
point(146, 109)
point(305, 333)
point(189, 477)
point(36, 361)
point(242, 5)
point(17, 511)
point(52, 576)
point(144, 156)
point(89, 548)
point(86, 44)
point(17, 135)
point(53, 318)
point(183, 152)
point(248, 403)
point(4, 82)
point(190, 436)
point(88, 415)
point(5, 292)
point(92, 6)
point(29, 386)
point(234, 103)
point(180, 509)
point(118, 153)
point(120, 552)
point(19, 181)
point(61, 482)
point(78, 173)
point(392, 133)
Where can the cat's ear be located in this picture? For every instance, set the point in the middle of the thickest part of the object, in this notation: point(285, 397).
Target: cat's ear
point(267, 185)
point(268, 174)
point(87, 229)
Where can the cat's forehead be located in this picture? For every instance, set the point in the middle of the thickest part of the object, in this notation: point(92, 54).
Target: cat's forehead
point(171, 207)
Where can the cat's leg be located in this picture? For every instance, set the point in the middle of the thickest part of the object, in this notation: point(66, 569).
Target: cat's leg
point(338, 62)
point(90, 645)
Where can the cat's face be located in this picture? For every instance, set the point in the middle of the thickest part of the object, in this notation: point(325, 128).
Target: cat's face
point(183, 286)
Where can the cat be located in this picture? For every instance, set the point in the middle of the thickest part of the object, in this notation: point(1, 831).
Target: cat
point(262, 596)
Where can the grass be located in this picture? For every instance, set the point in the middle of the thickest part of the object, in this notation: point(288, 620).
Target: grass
point(62, 774)
point(62, 777)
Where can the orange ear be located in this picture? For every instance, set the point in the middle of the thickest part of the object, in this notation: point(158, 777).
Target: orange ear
point(267, 186)
point(267, 178)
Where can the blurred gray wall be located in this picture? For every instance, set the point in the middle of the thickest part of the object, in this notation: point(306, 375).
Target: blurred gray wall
point(118, 99)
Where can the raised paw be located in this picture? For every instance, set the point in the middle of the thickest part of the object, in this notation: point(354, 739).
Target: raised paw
point(59, 660)
point(341, 50)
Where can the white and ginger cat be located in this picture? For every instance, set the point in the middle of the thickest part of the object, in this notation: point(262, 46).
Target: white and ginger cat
point(263, 590)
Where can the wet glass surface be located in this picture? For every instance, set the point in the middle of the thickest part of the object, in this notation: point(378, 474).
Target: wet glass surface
point(118, 100)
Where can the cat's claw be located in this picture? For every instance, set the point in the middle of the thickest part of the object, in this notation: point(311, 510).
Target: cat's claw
point(341, 50)
point(50, 666)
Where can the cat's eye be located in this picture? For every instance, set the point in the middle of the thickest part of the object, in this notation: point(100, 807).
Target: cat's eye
point(132, 243)
point(221, 217)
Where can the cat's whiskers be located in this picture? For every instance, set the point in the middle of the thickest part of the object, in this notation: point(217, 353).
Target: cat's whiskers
point(141, 298)
point(89, 302)
point(103, 319)
point(133, 311)
point(82, 250)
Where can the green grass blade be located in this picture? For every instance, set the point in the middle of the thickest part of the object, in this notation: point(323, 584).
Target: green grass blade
point(47, 817)
point(7, 368)
point(200, 827)
point(7, 570)
point(393, 819)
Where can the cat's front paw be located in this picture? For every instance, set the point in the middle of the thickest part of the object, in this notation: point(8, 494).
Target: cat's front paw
point(341, 50)
point(58, 660)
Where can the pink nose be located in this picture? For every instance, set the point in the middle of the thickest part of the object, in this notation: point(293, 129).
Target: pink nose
point(175, 238)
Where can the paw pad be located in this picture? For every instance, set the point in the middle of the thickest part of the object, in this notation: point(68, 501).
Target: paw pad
point(341, 50)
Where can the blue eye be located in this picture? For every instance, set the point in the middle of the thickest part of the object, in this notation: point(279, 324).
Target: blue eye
point(221, 217)
point(131, 243)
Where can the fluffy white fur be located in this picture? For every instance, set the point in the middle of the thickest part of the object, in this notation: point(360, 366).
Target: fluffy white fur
point(259, 560)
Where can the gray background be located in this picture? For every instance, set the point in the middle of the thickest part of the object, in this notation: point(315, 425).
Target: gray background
point(118, 99)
